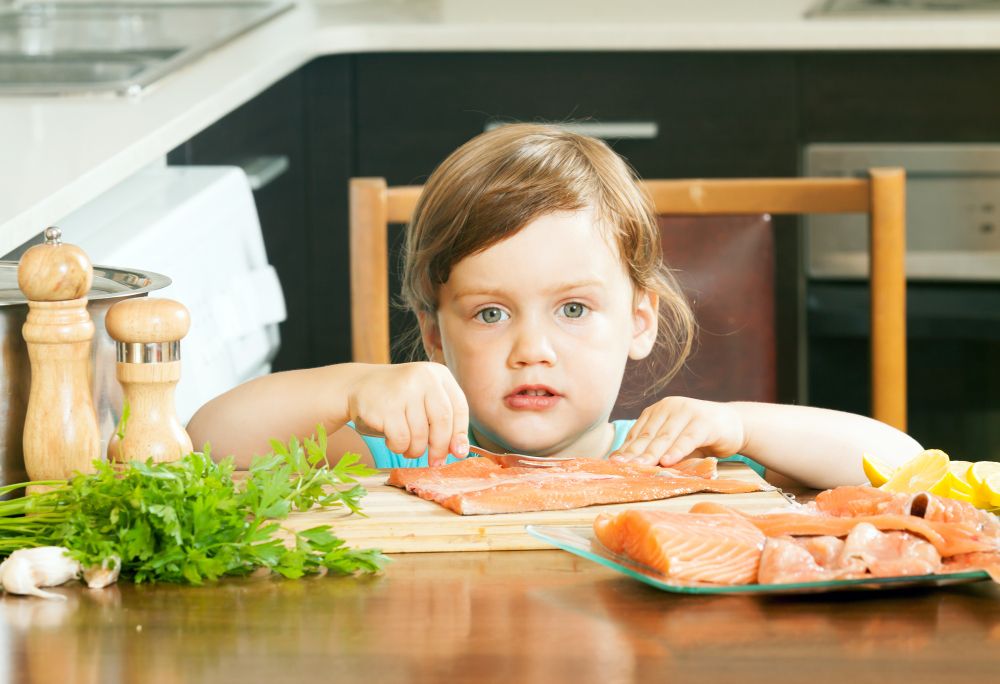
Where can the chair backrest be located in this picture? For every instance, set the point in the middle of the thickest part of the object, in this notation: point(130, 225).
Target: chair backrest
point(881, 195)
point(726, 266)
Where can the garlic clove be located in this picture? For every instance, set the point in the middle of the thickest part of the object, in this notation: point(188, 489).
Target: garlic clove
point(100, 576)
point(17, 578)
point(45, 566)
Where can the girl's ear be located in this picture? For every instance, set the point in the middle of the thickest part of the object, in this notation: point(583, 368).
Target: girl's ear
point(645, 320)
point(430, 335)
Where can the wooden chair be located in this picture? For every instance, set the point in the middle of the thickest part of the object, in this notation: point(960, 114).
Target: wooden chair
point(373, 206)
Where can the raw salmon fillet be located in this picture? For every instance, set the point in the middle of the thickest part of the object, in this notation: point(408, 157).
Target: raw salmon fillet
point(866, 552)
point(864, 500)
point(685, 546)
point(948, 538)
point(982, 560)
point(847, 533)
point(477, 486)
point(786, 560)
point(869, 551)
point(700, 467)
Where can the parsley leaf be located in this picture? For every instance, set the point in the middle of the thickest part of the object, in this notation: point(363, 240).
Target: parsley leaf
point(191, 521)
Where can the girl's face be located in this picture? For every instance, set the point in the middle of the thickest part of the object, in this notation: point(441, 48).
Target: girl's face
point(537, 330)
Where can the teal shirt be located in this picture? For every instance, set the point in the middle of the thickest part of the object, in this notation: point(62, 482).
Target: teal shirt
point(384, 458)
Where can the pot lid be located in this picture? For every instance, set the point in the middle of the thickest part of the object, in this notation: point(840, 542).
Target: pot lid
point(108, 283)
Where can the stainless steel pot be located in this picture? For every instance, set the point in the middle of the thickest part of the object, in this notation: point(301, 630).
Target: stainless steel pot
point(110, 285)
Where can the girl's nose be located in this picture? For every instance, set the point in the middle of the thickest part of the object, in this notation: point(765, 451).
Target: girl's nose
point(531, 345)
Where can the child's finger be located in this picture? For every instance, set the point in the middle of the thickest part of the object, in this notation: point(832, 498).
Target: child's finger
point(638, 427)
point(685, 445)
point(397, 433)
point(416, 421)
point(682, 447)
point(641, 459)
point(459, 445)
point(668, 433)
point(637, 445)
point(690, 440)
point(439, 417)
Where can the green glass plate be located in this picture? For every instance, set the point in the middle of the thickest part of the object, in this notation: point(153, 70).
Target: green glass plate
point(580, 541)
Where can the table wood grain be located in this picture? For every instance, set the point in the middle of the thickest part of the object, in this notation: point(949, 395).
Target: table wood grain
point(513, 616)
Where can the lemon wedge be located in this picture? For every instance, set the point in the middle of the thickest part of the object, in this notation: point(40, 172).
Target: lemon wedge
point(961, 487)
point(878, 472)
point(979, 471)
point(958, 472)
point(927, 472)
point(990, 490)
point(976, 478)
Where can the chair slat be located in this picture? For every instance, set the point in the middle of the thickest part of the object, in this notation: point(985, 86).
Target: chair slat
point(887, 247)
point(760, 196)
point(402, 201)
point(369, 247)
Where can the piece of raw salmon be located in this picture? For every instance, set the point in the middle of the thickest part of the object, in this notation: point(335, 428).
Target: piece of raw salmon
point(869, 551)
point(477, 486)
point(852, 501)
point(949, 538)
point(981, 560)
point(684, 546)
point(700, 467)
point(872, 534)
point(866, 552)
point(864, 500)
point(785, 560)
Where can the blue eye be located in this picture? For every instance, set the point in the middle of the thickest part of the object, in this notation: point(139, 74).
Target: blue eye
point(492, 314)
point(574, 310)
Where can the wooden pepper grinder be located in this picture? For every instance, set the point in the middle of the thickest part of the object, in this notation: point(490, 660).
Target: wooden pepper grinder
point(60, 425)
point(148, 332)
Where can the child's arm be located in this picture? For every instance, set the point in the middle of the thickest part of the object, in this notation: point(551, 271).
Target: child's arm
point(817, 447)
point(416, 405)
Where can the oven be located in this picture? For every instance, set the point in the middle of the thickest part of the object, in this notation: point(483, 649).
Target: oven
point(953, 293)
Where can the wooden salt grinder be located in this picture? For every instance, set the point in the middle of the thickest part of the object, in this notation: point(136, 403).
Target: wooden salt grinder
point(148, 333)
point(60, 425)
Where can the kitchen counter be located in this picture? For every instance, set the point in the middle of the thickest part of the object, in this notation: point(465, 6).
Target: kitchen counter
point(60, 152)
point(529, 616)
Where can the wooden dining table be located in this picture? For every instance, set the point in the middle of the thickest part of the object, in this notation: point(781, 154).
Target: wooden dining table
point(508, 616)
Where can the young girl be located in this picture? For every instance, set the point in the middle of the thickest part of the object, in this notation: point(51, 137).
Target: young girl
point(533, 266)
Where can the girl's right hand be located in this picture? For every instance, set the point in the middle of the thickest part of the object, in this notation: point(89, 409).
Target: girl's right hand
point(417, 406)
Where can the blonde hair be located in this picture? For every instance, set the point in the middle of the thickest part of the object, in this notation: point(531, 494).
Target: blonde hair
point(498, 182)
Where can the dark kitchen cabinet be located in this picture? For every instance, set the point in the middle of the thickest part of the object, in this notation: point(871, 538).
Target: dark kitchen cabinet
point(330, 131)
point(718, 115)
point(908, 97)
point(271, 125)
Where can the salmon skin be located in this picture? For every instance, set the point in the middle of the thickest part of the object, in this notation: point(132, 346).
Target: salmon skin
point(477, 486)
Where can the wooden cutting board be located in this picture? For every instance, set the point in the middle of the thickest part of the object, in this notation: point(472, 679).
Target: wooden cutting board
point(400, 522)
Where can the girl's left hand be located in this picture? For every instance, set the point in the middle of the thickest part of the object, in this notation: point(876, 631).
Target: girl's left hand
point(677, 427)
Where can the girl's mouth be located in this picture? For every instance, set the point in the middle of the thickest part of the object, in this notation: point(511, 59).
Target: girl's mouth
point(532, 398)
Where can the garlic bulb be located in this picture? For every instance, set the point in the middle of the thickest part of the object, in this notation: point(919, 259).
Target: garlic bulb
point(100, 576)
point(45, 566)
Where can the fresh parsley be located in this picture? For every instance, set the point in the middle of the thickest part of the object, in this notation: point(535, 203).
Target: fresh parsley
point(191, 521)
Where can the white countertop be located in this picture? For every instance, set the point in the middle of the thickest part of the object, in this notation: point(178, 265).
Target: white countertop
point(59, 152)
